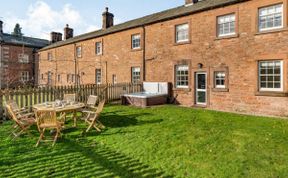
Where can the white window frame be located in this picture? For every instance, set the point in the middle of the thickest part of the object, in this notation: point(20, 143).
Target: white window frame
point(217, 78)
point(177, 31)
point(281, 76)
point(114, 79)
point(98, 77)
point(136, 41)
point(23, 58)
point(24, 76)
point(99, 48)
point(186, 67)
point(219, 23)
point(49, 77)
point(136, 74)
point(50, 56)
point(79, 51)
point(270, 28)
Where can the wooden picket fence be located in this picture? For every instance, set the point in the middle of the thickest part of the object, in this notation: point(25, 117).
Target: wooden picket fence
point(27, 97)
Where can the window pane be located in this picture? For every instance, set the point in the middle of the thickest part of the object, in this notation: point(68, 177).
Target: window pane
point(270, 75)
point(271, 17)
point(182, 76)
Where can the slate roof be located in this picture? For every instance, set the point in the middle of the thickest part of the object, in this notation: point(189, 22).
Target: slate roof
point(150, 19)
point(26, 41)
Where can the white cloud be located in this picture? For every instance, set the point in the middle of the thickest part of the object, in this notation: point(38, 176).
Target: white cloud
point(41, 19)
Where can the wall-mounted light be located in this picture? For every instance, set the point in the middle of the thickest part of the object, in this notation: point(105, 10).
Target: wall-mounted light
point(200, 65)
point(83, 73)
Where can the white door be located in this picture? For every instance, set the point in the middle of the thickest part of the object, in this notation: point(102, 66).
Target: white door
point(201, 88)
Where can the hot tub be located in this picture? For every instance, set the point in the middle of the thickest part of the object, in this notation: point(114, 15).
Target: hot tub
point(154, 93)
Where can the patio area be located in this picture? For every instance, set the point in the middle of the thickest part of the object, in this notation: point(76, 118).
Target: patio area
point(163, 141)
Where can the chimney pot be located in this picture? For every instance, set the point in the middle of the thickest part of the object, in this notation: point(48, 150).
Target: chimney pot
point(191, 2)
point(56, 37)
point(108, 19)
point(68, 32)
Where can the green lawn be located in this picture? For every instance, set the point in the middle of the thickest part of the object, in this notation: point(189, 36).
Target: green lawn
point(166, 141)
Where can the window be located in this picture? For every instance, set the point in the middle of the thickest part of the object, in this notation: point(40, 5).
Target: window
point(73, 78)
point(135, 74)
point(42, 76)
point(114, 79)
point(98, 47)
point(226, 25)
point(136, 41)
point(182, 76)
point(182, 33)
point(50, 57)
point(220, 79)
point(24, 76)
point(23, 58)
point(79, 51)
point(59, 78)
point(271, 75)
point(271, 17)
point(98, 76)
point(49, 77)
point(68, 78)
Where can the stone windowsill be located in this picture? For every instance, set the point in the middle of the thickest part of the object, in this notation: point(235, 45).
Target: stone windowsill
point(220, 89)
point(182, 43)
point(182, 89)
point(272, 94)
point(227, 37)
point(272, 31)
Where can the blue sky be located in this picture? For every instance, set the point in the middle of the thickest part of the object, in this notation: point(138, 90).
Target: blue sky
point(39, 17)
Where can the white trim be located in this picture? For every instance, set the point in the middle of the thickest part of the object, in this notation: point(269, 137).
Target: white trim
point(271, 28)
point(281, 77)
point(201, 90)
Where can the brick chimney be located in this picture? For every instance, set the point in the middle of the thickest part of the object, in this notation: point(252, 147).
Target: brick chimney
point(191, 2)
point(55, 37)
point(68, 32)
point(108, 19)
point(1, 27)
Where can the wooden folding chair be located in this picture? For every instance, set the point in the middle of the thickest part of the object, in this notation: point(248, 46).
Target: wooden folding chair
point(17, 110)
point(69, 97)
point(21, 122)
point(47, 120)
point(90, 105)
point(92, 118)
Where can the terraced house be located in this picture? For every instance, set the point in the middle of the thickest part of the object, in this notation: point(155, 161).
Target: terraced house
point(228, 55)
point(18, 56)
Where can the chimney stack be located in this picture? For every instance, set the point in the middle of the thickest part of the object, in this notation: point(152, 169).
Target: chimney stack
point(191, 2)
point(68, 32)
point(55, 37)
point(108, 19)
point(1, 27)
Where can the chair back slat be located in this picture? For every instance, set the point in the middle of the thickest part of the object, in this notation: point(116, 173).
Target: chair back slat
point(13, 115)
point(92, 100)
point(46, 117)
point(70, 97)
point(14, 106)
point(100, 106)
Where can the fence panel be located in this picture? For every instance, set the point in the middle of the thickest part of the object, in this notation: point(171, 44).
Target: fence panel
point(27, 97)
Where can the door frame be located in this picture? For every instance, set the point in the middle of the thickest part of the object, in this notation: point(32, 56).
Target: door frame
point(205, 90)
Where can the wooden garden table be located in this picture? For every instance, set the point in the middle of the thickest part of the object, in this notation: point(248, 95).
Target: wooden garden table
point(61, 109)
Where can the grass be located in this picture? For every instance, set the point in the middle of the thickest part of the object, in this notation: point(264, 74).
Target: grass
point(166, 141)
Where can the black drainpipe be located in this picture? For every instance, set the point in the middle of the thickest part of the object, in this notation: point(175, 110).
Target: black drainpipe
point(144, 53)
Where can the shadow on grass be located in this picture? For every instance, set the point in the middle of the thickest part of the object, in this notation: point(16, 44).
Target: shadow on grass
point(74, 158)
point(116, 163)
point(116, 120)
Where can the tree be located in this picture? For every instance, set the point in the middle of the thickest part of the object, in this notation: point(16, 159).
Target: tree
point(17, 30)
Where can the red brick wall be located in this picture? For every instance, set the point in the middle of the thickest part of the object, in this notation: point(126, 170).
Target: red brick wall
point(13, 68)
point(239, 55)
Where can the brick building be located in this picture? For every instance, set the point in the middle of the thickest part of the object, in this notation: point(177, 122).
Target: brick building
point(17, 59)
point(228, 55)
